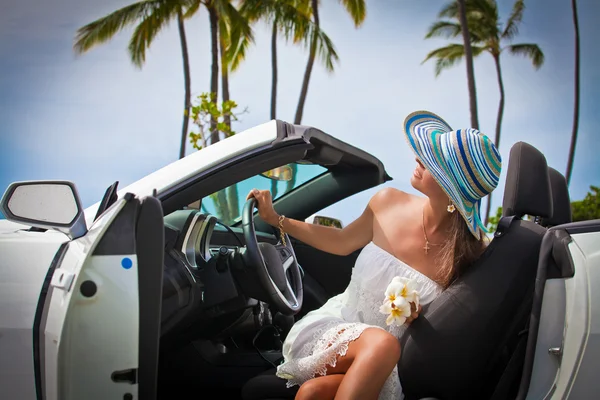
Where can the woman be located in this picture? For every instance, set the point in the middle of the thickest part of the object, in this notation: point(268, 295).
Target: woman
point(345, 349)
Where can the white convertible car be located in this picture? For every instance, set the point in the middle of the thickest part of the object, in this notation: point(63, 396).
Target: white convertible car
point(173, 288)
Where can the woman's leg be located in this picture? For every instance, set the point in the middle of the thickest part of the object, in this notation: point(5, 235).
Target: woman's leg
point(320, 388)
point(367, 364)
point(361, 373)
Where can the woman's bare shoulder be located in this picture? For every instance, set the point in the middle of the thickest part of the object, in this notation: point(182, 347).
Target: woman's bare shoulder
point(391, 196)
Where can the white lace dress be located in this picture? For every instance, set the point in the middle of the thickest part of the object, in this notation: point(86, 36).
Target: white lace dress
point(315, 341)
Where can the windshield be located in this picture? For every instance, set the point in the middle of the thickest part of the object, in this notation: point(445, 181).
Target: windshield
point(227, 204)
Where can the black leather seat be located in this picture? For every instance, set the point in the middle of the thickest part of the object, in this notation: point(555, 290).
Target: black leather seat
point(460, 346)
point(561, 200)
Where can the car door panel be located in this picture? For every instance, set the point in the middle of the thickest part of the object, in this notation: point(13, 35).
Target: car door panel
point(96, 325)
point(562, 348)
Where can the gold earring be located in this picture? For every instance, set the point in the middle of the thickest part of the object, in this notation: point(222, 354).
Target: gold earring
point(450, 207)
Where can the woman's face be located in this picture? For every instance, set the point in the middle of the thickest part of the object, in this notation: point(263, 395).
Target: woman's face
point(423, 181)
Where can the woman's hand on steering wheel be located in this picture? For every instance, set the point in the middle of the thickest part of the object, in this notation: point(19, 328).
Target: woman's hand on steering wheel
point(265, 206)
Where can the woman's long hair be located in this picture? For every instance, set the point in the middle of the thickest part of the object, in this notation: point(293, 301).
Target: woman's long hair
point(459, 252)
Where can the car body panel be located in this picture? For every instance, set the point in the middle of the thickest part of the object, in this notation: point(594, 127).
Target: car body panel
point(24, 261)
point(87, 338)
point(568, 342)
point(578, 373)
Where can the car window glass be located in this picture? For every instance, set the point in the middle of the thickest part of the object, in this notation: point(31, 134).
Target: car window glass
point(227, 204)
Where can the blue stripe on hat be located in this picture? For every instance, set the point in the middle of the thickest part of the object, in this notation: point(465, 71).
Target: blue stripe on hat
point(467, 165)
point(487, 173)
point(488, 144)
point(470, 160)
point(457, 172)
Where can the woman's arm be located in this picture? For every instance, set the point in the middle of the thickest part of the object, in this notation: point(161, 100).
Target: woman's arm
point(329, 239)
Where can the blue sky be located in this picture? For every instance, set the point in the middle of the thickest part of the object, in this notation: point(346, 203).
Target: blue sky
point(94, 119)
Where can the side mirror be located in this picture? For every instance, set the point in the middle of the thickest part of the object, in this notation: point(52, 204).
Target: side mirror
point(327, 221)
point(45, 204)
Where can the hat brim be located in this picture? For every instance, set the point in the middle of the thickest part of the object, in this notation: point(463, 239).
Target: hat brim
point(422, 131)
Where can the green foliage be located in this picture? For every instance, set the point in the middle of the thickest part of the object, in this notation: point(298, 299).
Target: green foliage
point(493, 221)
point(582, 210)
point(589, 207)
point(201, 114)
point(148, 16)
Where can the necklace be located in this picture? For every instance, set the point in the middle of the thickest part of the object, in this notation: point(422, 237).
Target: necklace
point(427, 244)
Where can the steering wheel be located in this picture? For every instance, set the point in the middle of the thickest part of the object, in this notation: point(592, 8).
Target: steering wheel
point(275, 265)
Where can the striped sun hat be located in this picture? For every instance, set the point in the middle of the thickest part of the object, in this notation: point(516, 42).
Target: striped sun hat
point(464, 162)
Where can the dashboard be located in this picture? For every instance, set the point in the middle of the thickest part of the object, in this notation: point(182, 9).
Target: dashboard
point(203, 268)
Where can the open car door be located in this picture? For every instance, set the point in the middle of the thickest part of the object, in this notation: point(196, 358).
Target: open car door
point(97, 323)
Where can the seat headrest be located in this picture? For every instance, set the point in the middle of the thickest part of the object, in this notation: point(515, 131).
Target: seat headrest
point(561, 200)
point(527, 189)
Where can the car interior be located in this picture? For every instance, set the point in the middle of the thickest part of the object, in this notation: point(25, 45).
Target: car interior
point(231, 289)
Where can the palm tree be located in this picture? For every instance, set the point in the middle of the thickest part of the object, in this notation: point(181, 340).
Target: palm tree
point(576, 105)
point(290, 18)
point(220, 12)
point(151, 16)
point(469, 61)
point(487, 35)
point(235, 35)
point(358, 11)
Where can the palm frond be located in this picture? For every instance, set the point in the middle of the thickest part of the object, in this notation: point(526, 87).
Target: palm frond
point(450, 10)
point(103, 29)
point(529, 50)
point(294, 22)
point(357, 10)
point(482, 19)
point(192, 8)
point(448, 56)
point(147, 30)
point(516, 16)
point(238, 54)
point(326, 50)
point(235, 32)
point(444, 28)
point(253, 10)
point(234, 19)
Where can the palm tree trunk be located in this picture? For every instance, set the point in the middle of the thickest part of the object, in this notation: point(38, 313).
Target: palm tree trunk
point(576, 100)
point(233, 209)
point(498, 126)
point(501, 103)
point(225, 80)
point(469, 62)
point(274, 70)
point(187, 83)
point(214, 72)
point(309, 65)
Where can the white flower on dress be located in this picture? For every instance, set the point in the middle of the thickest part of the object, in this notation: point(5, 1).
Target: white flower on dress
point(399, 295)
